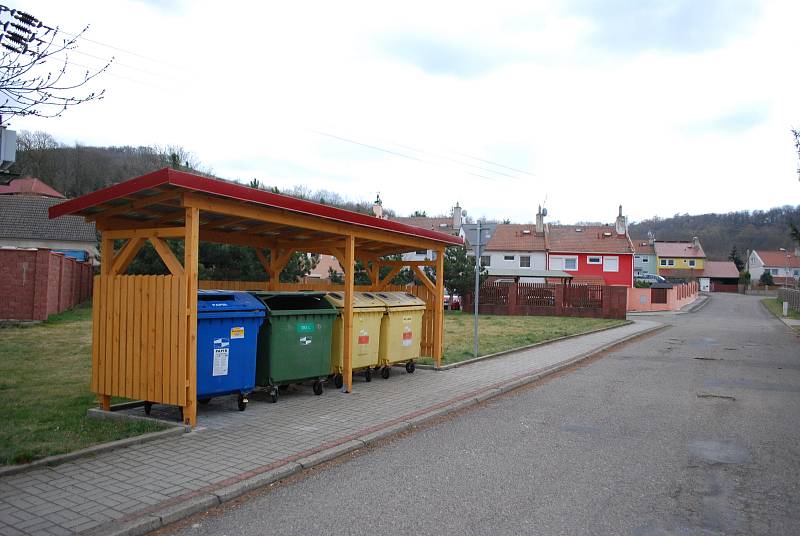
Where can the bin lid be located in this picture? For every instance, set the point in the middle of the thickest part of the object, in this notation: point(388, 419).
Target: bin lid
point(400, 299)
point(361, 301)
point(227, 301)
point(295, 303)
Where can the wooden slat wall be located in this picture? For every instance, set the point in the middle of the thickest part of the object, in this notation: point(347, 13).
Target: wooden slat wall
point(138, 337)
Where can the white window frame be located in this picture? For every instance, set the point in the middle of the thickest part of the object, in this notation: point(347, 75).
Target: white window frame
point(590, 261)
point(613, 258)
point(525, 257)
point(509, 257)
point(486, 260)
point(562, 260)
point(667, 262)
point(692, 263)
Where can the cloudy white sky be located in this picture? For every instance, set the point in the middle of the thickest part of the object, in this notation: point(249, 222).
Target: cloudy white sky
point(661, 106)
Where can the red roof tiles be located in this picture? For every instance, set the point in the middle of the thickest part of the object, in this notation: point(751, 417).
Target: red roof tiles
point(29, 186)
point(683, 250)
point(777, 259)
point(588, 239)
point(512, 237)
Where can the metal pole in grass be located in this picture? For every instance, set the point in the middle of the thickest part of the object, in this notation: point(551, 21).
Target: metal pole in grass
point(477, 291)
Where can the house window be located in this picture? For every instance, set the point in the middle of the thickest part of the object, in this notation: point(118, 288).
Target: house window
point(486, 260)
point(667, 262)
point(797, 273)
point(644, 259)
point(570, 263)
point(773, 271)
point(524, 261)
point(594, 260)
point(691, 263)
point(508, 257)
point(637, 257)
point(611, 264)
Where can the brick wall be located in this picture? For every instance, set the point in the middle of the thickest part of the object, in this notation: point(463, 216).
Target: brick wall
point(35, 283)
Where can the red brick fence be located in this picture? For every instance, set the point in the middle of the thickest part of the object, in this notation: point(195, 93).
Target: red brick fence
point(35, 283)
point(539, 299)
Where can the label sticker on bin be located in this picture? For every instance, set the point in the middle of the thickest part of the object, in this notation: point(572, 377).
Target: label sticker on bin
point(221, 352)
point(305, 341)
point(363, 337)
point(407, 336)
point(305, 327)
point(237, 332)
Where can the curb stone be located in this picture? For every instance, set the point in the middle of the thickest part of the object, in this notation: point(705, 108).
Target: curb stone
point(451, 366)
point(160, 518)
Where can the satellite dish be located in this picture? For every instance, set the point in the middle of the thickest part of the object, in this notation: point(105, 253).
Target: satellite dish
point(544, 212)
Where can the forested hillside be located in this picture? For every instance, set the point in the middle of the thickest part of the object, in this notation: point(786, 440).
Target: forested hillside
point(718, 233)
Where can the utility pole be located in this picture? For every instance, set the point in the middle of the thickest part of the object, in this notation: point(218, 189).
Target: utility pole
point(477, 290)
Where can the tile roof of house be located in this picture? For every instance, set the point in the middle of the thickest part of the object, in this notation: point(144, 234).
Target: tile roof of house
point(683, 250)
point(725, 269)
point(777, 259)
point(512, 237)
point(441, 225)
point(588, 239)
point(25, 217)
point(644, 248)
point(29, 186)
point(713, 269)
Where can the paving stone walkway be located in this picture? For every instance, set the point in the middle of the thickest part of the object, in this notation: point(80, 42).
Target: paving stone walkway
point(92, 494)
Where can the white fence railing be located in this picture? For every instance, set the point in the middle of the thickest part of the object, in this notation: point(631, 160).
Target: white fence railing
point(790, 295)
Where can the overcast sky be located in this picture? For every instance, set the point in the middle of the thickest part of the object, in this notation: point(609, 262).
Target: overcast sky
point(662, 106)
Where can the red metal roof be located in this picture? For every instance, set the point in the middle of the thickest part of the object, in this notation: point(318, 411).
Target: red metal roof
point(726, 269)
point(238, 192)
point(777, 259)
point(29, 186)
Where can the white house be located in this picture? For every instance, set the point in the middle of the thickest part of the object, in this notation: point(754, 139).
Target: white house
point(783, 265)
point(517, 250)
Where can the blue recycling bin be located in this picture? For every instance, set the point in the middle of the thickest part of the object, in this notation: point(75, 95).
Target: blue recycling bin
point(227, 335)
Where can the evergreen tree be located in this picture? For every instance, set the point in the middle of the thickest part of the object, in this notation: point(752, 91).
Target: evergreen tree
point(734, 256)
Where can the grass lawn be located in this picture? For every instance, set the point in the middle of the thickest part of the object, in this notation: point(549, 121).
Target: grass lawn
point(45, 371)
point(498, 333)
point(776, 307)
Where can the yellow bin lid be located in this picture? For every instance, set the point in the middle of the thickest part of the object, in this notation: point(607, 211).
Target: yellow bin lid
point(399, 299)
point(361, 301)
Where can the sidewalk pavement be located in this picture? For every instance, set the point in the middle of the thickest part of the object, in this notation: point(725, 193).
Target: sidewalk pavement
point(140, 488)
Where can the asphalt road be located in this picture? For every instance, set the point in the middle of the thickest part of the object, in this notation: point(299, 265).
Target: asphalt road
point(692, 431)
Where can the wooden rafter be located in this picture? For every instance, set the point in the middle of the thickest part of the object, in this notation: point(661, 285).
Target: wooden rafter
point(161, 232)
point(170, 260)
point(126, 255)
point(134, 205)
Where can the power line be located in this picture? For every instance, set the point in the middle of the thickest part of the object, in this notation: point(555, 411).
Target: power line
point(119, 49)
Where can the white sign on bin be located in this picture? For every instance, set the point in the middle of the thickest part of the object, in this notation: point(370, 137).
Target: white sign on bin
point(221, 352)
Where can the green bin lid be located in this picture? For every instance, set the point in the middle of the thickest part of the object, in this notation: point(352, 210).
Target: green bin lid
point(295, 303)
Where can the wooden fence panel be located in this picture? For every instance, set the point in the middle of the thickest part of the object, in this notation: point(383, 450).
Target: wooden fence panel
point(136, 350)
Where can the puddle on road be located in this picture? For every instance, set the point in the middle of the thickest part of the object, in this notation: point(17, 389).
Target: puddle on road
point(724, 451)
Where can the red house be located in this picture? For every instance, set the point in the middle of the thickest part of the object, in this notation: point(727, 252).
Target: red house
point(595, 254)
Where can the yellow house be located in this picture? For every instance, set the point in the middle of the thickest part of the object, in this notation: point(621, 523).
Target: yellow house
point(679, 259)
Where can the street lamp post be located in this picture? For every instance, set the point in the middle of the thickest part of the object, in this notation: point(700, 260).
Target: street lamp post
point(786, 267)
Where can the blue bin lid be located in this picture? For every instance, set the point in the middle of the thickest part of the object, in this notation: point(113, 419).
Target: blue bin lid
point(227, 302)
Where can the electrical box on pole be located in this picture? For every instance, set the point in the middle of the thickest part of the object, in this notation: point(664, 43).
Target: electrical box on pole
point(8, 148)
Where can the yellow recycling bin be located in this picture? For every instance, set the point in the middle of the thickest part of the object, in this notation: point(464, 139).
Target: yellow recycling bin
point(401, 330)
point(367, 314)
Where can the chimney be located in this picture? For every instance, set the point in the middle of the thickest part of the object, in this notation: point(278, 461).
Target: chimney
point(695, 243)
point(540, 221)
point(458, 217)
point(377, 207)
point(622, 223)
point(651, 238)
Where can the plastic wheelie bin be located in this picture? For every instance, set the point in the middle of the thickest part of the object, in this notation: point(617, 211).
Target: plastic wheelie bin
point(401, 330)
point(294, 344)
point(367, 314)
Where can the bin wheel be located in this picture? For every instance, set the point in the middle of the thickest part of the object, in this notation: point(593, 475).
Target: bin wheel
point(385, 372)
point(368, 375)
point(242, 403)
point(410, 367)
point(338, 381)
point(203, 401)
point(273, 394)
point(317, 387)
point(148, 407)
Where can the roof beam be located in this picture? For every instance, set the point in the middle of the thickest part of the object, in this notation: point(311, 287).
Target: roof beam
point(266, 214)
point(134, 205)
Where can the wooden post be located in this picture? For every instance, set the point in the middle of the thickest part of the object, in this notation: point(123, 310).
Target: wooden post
point(190, 275)
point(438, 326)
point(107, 261)
point(347, 319)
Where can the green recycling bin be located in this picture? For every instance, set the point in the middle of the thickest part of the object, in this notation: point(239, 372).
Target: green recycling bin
point(294, 343)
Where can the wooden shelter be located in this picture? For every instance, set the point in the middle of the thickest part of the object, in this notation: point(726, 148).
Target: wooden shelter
point(144, 339)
